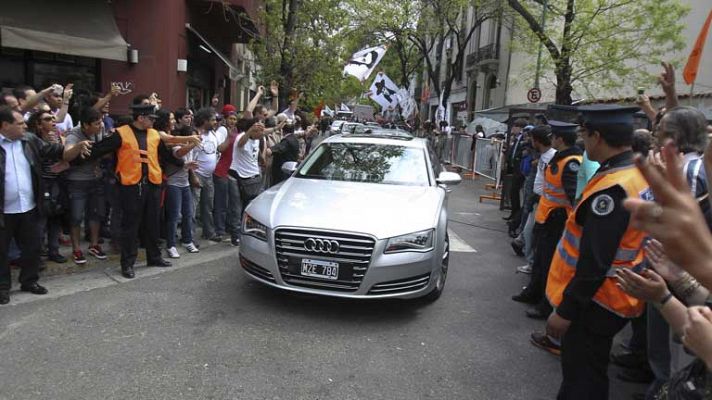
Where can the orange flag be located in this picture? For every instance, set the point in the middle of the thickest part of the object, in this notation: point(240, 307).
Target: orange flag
point(693, 63)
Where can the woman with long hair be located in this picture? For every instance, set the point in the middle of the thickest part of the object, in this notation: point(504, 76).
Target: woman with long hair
point(179, 199)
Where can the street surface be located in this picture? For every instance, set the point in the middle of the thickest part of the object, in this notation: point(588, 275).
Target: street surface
point(206, 331)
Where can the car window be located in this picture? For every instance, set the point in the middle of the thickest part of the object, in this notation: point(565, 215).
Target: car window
point(435, 161)
point(367, 162)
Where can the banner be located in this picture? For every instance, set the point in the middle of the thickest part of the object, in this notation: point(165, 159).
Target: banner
point(383, 91)
point(363, 62)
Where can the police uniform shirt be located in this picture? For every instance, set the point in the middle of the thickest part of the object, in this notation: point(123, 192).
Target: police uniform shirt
point(604, 222)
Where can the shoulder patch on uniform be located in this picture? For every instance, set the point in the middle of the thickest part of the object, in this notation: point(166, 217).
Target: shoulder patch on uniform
point(574, 166)
point(603, 205)
point(647, 194)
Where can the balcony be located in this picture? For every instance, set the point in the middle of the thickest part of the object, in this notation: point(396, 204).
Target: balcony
point(484, 55)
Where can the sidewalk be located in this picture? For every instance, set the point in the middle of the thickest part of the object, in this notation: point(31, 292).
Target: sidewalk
point(69, 278)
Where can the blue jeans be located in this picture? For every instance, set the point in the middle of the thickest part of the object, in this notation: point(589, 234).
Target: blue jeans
point(203, 199)
point(228, 207)
point(179, 203)
point(86, 197)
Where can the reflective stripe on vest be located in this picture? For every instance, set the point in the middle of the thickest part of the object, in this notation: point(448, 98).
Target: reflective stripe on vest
point(130, 158)
point(554, 196)
point(629, 254)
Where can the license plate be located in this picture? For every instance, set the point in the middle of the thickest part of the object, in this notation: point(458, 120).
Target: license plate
point(320, 269)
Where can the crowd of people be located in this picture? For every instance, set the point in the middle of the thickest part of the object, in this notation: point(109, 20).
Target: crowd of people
point(614, 224)
point(133, 180)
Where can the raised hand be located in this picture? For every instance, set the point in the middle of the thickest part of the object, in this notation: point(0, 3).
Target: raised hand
point(647, 286)
point(67, 95)
point(274, 88)
point(698, 333)
point(667, 78)
point(657, 258)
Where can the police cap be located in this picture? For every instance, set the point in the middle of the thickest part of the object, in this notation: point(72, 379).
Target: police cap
point(560, 128)
point(148, 110)
point(608, 114)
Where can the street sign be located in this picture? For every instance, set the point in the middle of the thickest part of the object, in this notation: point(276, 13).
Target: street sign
point(534, 95)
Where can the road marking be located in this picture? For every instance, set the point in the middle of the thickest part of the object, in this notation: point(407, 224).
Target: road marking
point(458, 245)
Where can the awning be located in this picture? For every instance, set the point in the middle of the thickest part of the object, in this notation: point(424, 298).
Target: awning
point(84, 28)
point(234, 72)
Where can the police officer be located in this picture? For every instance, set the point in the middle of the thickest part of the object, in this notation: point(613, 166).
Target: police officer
point(555, 205)
point(139, 151)
point(597, 240)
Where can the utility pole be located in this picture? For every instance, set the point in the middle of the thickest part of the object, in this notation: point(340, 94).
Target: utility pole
point(541, 45)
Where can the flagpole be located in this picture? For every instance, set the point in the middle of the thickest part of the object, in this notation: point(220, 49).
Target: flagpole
point(692, 92)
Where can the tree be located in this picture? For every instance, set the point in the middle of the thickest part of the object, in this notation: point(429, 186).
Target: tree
point(599, 43)
point(302, 48)
point(378, 22)
point(442, 25)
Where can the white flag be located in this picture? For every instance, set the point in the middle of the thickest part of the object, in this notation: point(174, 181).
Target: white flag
point(327, 111)
point(362, 63)
point(383, 91)
point(344, 107)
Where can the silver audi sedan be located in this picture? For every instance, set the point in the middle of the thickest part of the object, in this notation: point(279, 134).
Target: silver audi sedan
point(363, 216)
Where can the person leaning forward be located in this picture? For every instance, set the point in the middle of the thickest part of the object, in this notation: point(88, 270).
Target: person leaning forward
point(598, 239)
point(23, 197)
point(139, 151)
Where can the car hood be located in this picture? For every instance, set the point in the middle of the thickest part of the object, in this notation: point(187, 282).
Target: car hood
point(380, 210)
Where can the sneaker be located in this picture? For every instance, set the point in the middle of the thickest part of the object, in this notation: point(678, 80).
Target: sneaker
point(191, 248)
point(172, 252)
point(544, 342)
point(518, 247)
point(525, 269)
point(216, 239)
point(79, 257)
point(58, 258)
point(235, 242)
point(97, 252)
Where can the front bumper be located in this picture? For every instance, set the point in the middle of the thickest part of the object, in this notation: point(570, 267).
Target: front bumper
point(402, 275)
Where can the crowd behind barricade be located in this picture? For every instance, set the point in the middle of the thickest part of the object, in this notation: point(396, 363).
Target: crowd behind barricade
point(76, 176)
point(614, 224)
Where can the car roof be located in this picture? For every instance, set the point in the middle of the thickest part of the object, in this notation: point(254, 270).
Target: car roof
point(393, 140)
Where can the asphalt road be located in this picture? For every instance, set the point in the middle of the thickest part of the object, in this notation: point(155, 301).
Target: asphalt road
point(206, 331)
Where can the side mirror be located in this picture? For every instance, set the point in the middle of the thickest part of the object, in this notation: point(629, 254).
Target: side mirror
point(448, 178)
point(289, 167)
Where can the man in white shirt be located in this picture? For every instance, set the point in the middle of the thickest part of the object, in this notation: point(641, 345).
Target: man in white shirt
point(245, 159)
point(207, 158)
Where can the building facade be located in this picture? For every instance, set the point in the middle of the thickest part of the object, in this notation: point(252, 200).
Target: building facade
point(186, 51)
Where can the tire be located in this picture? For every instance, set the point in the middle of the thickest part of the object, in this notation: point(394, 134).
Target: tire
point(440, 285)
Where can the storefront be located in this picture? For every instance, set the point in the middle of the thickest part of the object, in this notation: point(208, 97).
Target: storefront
point(184, 50)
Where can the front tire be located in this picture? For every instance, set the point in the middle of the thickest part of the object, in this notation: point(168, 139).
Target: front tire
point(440, 284)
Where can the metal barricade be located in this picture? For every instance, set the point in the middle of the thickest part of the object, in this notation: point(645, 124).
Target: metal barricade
point(488, 163)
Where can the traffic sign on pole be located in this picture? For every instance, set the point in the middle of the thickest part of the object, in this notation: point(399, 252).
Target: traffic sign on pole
point(534, 95)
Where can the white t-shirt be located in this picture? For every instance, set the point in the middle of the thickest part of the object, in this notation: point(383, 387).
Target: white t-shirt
point(245, 158)
point(221, 133)
point(541, 170)
point(207, 154)
point(66, 125)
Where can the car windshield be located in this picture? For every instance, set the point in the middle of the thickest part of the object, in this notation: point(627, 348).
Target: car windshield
point(367, 162)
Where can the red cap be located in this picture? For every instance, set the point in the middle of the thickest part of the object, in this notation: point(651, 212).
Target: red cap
point(228, 109)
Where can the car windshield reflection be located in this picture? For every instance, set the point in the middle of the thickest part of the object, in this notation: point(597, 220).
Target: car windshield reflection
point(366, 162)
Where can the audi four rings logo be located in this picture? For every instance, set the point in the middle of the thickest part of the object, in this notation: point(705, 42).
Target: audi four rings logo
point(322, 246)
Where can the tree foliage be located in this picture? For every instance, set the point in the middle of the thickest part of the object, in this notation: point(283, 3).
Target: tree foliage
point(302, 49)
point(592, 45)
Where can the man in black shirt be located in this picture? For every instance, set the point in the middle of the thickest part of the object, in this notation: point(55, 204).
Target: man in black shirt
point(138, 144)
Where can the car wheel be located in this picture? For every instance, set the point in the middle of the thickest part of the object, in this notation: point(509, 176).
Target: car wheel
point(440, 284)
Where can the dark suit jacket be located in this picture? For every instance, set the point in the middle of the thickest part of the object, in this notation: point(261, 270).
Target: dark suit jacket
point(35, 150)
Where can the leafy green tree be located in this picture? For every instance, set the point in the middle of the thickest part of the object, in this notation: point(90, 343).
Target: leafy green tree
point(596, 44)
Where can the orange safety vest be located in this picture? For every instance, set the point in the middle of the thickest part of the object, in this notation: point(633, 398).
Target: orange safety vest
point(630, 250)
point(130, 157)
point(554, 195)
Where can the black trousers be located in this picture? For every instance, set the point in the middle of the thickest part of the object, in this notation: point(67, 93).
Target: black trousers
point(585, 350)
point(514, 195)
point(141, 205)
point(546, 238)
point(26, 230)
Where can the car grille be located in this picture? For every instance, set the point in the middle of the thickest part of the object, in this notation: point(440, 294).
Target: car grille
point(354, 257)
point(255, 269)
point(402, 285)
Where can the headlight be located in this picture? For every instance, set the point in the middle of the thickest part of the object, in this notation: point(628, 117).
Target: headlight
point(252, 227)
point(418, 241)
